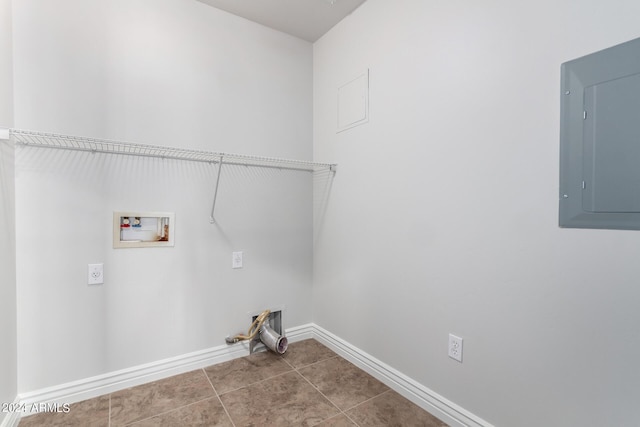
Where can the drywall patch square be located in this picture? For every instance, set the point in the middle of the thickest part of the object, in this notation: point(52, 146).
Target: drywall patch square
point(353, 102)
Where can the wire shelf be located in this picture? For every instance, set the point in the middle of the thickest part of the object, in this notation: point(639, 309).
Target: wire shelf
point(76, 143)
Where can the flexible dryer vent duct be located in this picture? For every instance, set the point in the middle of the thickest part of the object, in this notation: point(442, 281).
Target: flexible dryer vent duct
point(274, 341)
point(265, 333)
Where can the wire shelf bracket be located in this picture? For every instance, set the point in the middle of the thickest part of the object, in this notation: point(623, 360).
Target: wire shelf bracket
point(212, 219)
point(94, 145)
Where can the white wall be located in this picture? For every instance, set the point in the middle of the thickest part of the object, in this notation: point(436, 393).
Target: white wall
point(164, 72)
point(6, 66)
point(8, 361)
point(443, 214)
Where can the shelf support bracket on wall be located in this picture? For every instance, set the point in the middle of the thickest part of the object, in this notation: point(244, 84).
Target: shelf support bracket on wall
point(212, 219)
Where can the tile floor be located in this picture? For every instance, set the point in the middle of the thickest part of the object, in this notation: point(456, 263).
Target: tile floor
point(307, 386)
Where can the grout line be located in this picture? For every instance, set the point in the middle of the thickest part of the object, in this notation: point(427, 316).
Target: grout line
point(318, 362)
point(226, 411)
point(287, 362)
point(168, 412)
point(361, 403)
point(336, 416)
point(316, 388)
point(209, 380)
point(177, 407)
point(351, 419)
point(292, 369)
point(342, 412)
point(368, 400)
point(218, 396)
point(323, 395)
point(258, 382)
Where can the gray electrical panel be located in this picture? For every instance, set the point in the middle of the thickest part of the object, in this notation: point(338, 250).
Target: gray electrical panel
point(600, 139)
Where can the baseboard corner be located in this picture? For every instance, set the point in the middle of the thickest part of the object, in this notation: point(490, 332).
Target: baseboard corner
point(12, 414)
point(447, 411)
point(72, 392)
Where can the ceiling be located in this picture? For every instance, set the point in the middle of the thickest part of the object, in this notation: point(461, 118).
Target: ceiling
point(305, 19)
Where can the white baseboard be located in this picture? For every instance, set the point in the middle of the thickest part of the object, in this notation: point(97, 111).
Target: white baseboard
point(447, 411)
point(89, 388)
point(99, 385)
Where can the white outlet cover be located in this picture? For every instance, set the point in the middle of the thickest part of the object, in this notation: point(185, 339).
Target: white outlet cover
point(236, 260)
point(95, 274)
point(455, 348)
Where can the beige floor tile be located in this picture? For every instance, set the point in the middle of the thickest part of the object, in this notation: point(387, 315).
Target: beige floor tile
point(206, 413)
point(337, 421)
point(342, 382)
point(242, 372)
point(258, 390)
point(285, 400)
point(307, 352)
point(137, 403)
point(391, 409)
point(89, 413)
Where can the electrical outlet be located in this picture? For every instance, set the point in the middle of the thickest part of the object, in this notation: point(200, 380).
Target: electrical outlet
point(455, 347)
point(96, 274)
point(236, 260)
